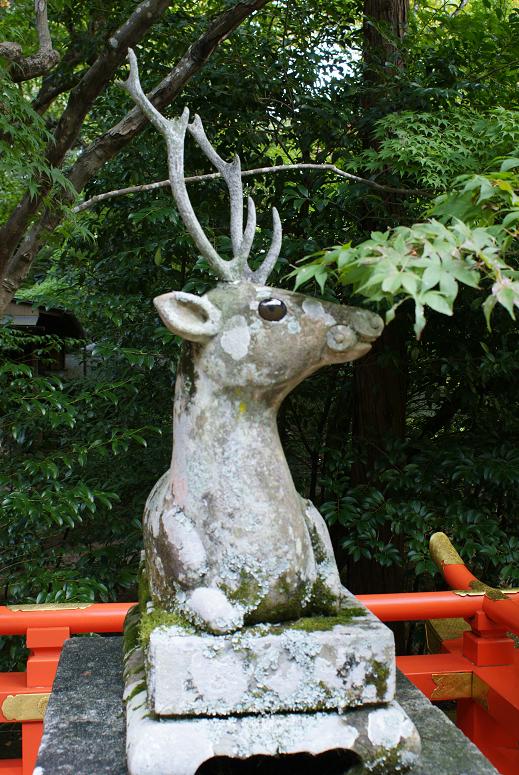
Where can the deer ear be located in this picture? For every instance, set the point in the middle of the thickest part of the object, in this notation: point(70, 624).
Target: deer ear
point(192, 317)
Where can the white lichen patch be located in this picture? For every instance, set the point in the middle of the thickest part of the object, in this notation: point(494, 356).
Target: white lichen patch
point(387, 726)
point(263, 669)
point(235, 339)
point(293, 326)
point(316, 311)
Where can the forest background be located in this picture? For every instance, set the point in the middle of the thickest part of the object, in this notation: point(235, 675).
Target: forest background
point(419, 106)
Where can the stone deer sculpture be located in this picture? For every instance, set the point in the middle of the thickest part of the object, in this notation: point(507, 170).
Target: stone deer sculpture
point(228, 540)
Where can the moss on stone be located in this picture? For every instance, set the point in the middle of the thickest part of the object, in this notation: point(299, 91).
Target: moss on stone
point(159, 618)
point(317, 545)
point(137, 689)
point(378, 676)
point(321, 600)
point(131, 629)
point(247, 593)
point(322, 623)
point(290, 607)
point(314, 623)
point(143, 586)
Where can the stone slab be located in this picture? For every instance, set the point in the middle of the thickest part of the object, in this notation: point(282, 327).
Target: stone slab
point(381, 737)
point(271, 668)
point(84, 729)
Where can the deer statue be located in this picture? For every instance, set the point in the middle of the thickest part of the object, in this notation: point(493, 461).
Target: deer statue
point(228, 540)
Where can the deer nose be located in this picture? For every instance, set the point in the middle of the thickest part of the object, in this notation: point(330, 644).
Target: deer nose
point(368, 325)
point(340, 338)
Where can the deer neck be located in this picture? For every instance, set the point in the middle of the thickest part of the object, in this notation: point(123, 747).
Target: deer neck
point(227, 455)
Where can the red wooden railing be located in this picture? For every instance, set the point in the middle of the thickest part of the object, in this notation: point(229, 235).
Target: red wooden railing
point(480, 669)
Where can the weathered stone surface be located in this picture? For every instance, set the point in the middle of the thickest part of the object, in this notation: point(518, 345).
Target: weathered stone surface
point(383, 737)
point(228, 539)
point(445, 749)
point(84, 730)
point(324, 663)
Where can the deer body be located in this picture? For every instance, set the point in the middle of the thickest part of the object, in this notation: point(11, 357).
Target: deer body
point(228, 540)
point(228, 537)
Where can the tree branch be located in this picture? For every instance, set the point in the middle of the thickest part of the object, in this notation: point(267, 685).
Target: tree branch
point(79, 103)
point(109, 144)
point(25, 68)
point(88, 203)
point(460, 8)
point(62, 79)
point(18, 251)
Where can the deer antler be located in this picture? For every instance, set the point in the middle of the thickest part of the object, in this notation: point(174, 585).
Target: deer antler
point(174, 132)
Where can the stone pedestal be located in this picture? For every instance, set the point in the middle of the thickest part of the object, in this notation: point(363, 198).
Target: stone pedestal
point(320, 663)
point(308, 686)
point(85, 732)
point(382, 736)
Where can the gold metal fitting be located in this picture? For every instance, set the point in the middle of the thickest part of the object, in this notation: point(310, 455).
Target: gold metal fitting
point(49, 606)
point(459, 686)
point(25, 707)
point(442, 551)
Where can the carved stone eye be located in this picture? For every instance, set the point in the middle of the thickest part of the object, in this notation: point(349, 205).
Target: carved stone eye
point(272, 309)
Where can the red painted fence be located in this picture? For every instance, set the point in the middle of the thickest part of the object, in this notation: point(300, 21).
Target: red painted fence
point(479, 670)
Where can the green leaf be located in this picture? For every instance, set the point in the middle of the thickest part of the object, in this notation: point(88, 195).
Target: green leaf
point(390, 284)
point(509, 164)
point(510, 218)
point(508, 298)
point(488, 305)
point(437, 302)
point(431, 276)
point(321, 276)
point(305, 274)
point(410, 283)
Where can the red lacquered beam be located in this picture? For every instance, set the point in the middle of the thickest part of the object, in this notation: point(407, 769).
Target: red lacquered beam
point(417, 606)
point(458, 576)
point(504, 612)
point(97, 617)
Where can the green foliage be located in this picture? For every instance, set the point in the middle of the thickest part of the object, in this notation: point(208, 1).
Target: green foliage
point(66, 509)
point(426, 262)
point(23, 136)
point(429, 149)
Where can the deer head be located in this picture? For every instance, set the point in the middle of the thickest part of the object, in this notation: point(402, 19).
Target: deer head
point(252, 334)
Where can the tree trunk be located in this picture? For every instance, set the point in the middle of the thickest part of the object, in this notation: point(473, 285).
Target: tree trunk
point(380, 379)
point(385, 23)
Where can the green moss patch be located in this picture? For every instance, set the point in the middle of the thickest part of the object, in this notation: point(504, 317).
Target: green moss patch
point(378, 677)
point(137, 689)
point(320, 623)
point(131, 629)
point(159, 618)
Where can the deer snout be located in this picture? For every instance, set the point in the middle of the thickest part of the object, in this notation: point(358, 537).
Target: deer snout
point(340, 338)
point(368, 325)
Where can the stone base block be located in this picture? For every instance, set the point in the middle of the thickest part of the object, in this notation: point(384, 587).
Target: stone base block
point(323, 663)
point(383, 738)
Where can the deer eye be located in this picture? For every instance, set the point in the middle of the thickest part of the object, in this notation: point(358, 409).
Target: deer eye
point(272, 309)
